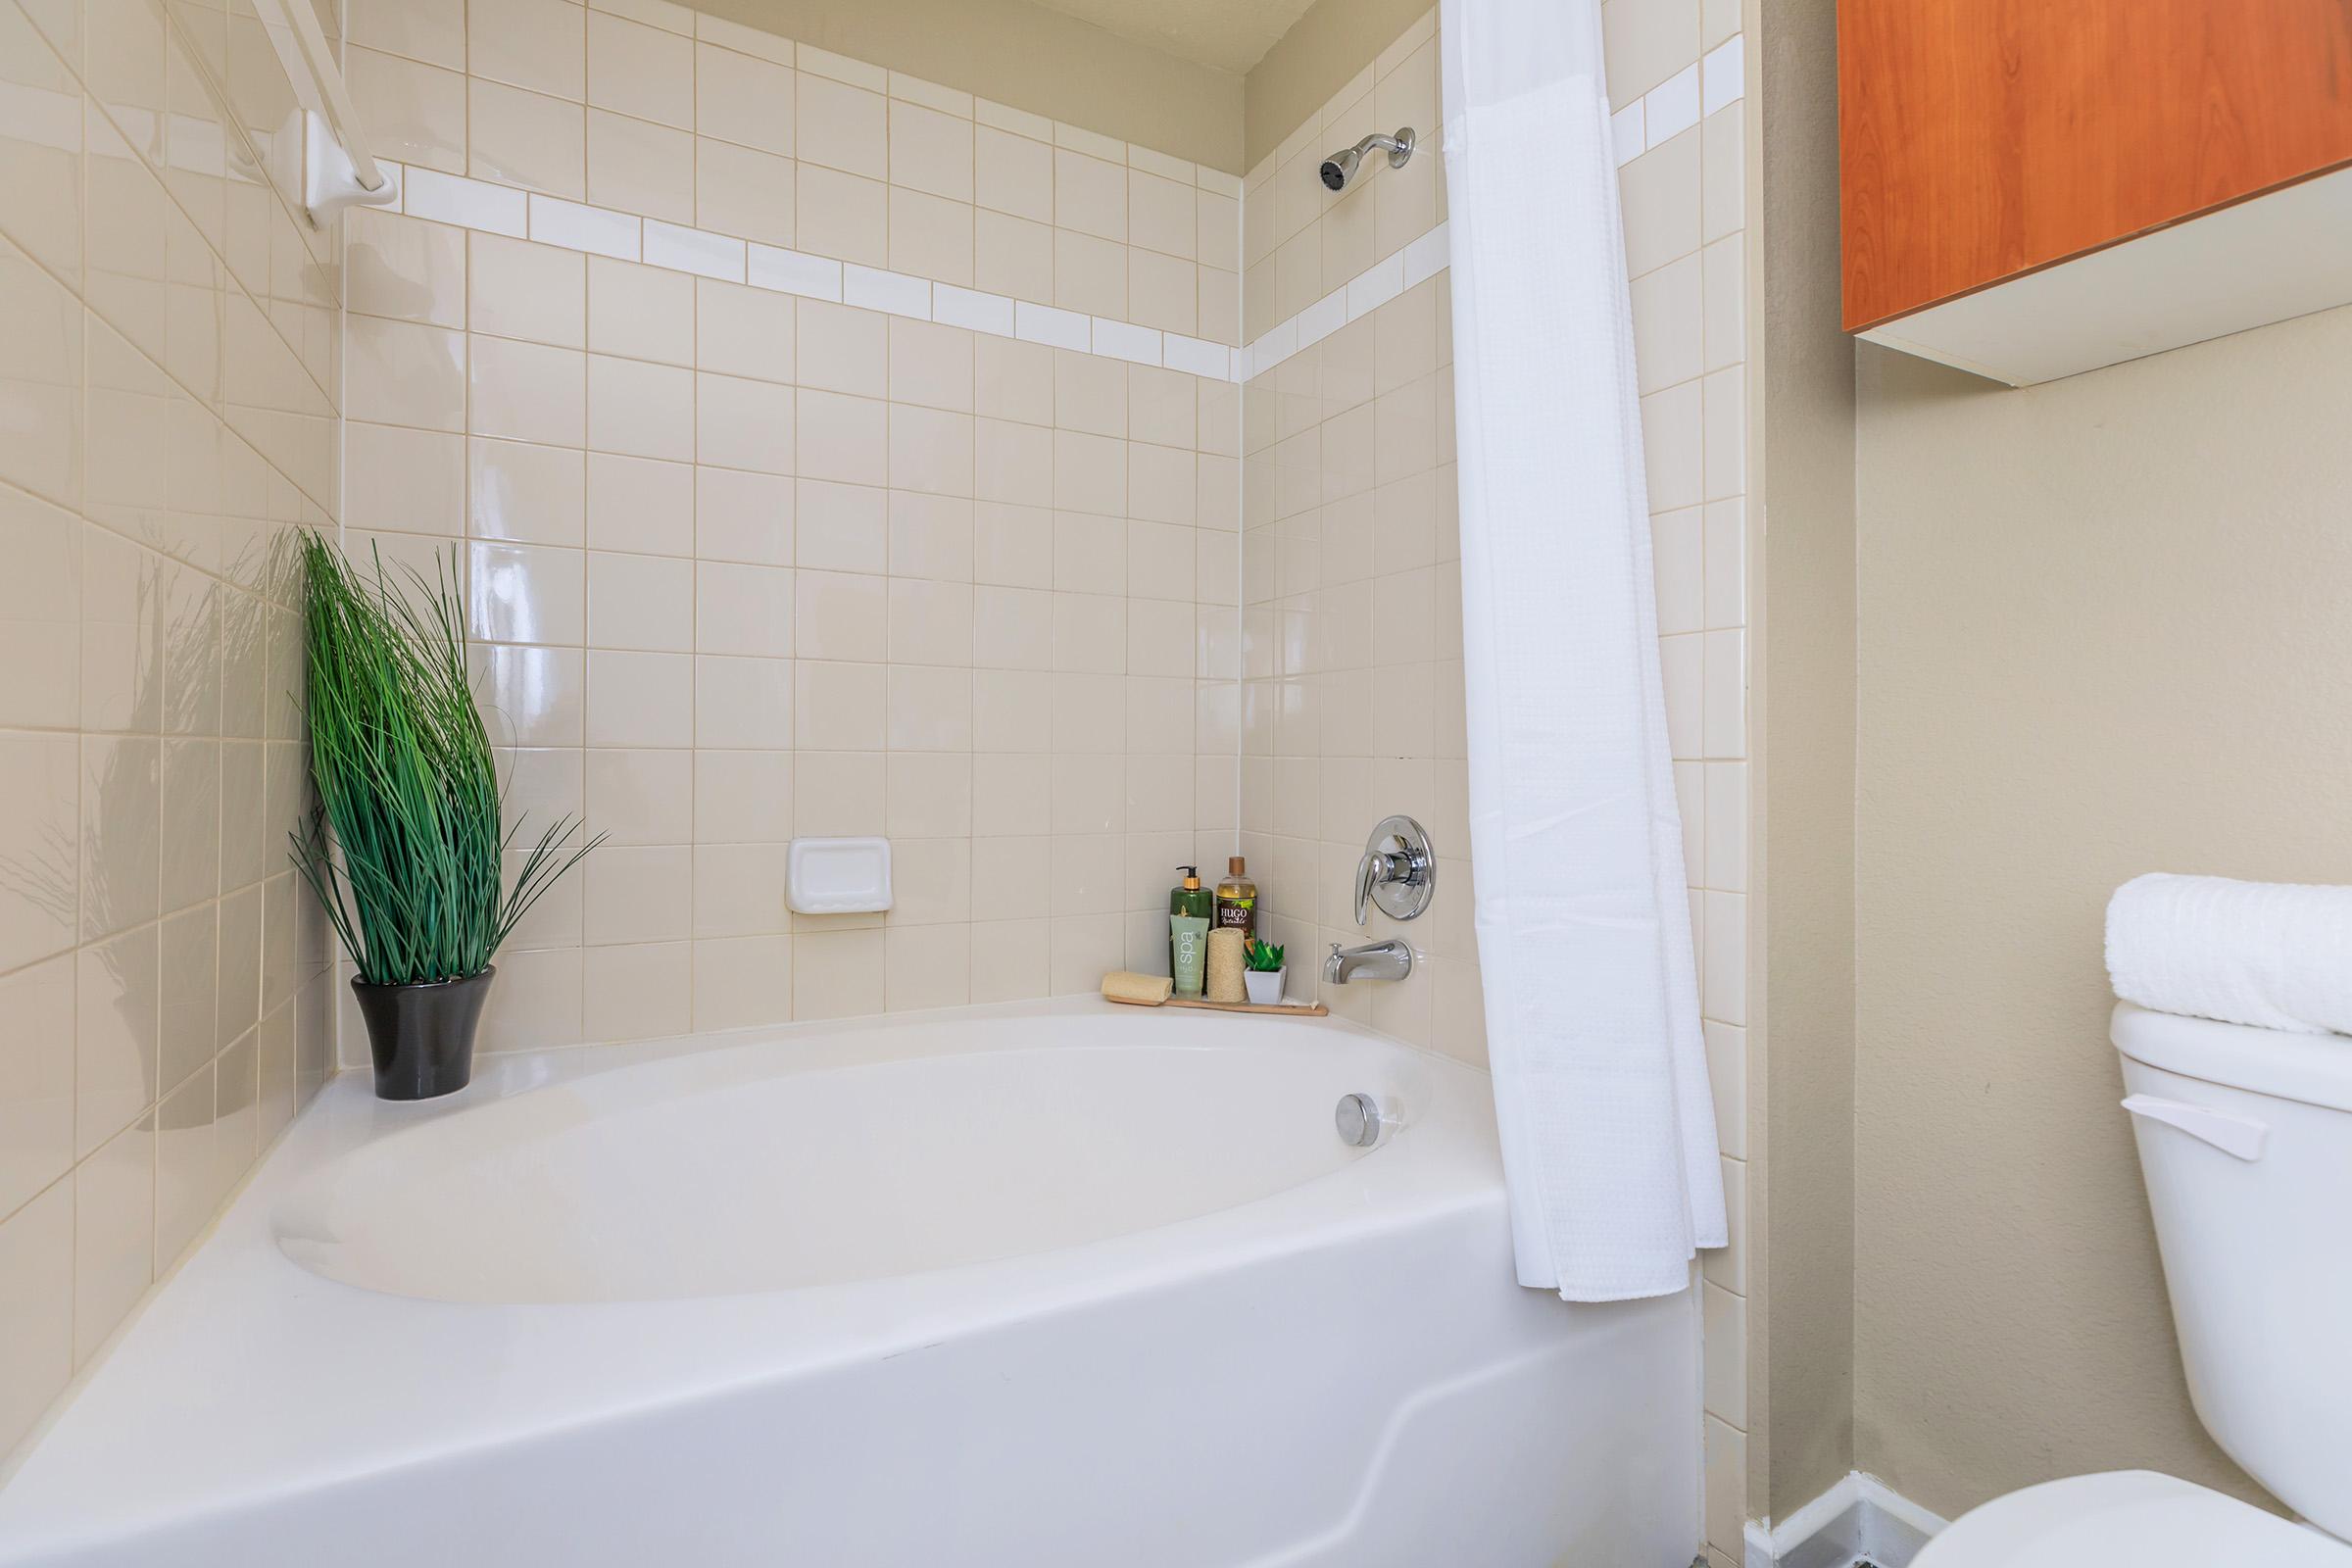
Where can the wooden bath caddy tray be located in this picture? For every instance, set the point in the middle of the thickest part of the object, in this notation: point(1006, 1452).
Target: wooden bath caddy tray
point(1311, 1009)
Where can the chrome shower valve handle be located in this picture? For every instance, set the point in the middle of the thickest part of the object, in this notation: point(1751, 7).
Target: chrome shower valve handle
point(1398, 871)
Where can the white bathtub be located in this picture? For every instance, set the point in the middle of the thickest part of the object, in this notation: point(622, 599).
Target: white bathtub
point(1061, 1283)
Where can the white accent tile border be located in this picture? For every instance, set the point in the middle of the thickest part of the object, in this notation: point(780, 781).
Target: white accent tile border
point(1681, 101)
point(952, 306)
point(1671, 107)
point(1375, 285)
point(1424, 256)
point(1052, 327)
point(693, 250)
point(1724, 71)
point(1627, 137)
point(874, 289)
point(1323, 317)
point(1122, 340)
point(1424, 259)
point(467, 203)
point(504, 209)
point(1195, 357)
point(818, 277)
point(585, 228)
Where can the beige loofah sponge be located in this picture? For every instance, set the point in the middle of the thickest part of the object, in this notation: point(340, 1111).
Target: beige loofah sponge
point(1143, 990)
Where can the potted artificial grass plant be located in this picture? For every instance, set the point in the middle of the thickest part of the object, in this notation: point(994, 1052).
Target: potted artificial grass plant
point(412, 875)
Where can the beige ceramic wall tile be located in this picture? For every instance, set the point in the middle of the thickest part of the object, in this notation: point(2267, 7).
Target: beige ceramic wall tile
point(1012, 255)
point(519, 491)
point(149, 788)
point(637, 166)
point(538, 44)
point(642, 312)
point(742, 99)
point(843, 214)
point(525, 139)
point(1163, 291)
point(527, 392)
point(414, 111)
point(406, 270)
point(431, 30)
point(516, 289)
point(1089, 195)
point(1013, 174)
point(824, 673)
point(842, 127)
point(37, 1086)
point(114, 1234)
point(1661, 204)
point(37, 1305)
point(931, 236)
point(1645, 42)
point(931, 151)
point(1090, 274)
point(643, 70)
point(742, 191)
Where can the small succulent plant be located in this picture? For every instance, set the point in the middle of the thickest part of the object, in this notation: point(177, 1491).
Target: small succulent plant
point(1265, 958)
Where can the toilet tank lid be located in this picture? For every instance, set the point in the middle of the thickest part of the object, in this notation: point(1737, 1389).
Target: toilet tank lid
point(2127, 1516)
point(2315, 1069)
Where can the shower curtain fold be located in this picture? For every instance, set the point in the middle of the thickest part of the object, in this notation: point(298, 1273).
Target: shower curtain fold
point(1584, 931)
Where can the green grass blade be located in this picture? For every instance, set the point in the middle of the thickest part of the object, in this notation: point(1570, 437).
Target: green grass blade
point(405, 852)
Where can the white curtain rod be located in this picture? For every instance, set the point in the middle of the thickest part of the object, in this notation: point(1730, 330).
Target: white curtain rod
point(339, 168)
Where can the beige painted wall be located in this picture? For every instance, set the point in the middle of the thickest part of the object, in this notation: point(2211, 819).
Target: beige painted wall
point(1801, 1036)
point(1030, 58)
point(1324, 48)
point(2103, 630)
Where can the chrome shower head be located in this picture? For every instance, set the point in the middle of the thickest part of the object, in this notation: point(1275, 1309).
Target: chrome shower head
point(1339, 168)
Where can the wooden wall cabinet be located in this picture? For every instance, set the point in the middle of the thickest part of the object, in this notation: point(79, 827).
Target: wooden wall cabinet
point(2032, 188)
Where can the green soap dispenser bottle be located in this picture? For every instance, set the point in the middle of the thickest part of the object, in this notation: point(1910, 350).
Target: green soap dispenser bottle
point(1191, 909)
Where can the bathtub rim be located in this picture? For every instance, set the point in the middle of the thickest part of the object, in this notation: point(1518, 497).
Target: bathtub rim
point(728, 1060)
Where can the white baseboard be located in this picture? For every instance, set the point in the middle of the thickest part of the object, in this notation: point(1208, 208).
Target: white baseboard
point(1860, 1519)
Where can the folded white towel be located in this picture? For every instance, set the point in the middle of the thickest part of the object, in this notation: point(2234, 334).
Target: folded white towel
point(2276, 955)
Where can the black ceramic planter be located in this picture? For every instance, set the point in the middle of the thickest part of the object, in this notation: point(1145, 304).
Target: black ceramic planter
point(422, 1034)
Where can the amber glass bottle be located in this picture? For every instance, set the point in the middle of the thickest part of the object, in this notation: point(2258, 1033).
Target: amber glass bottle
point(1237, 901)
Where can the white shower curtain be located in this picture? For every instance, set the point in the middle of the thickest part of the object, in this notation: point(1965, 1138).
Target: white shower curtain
point(1583, 929)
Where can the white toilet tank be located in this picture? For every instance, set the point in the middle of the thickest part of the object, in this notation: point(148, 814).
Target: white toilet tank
point(2245, 1143)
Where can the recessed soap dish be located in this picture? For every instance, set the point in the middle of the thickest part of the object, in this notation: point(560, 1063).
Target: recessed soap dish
point(838, 877)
